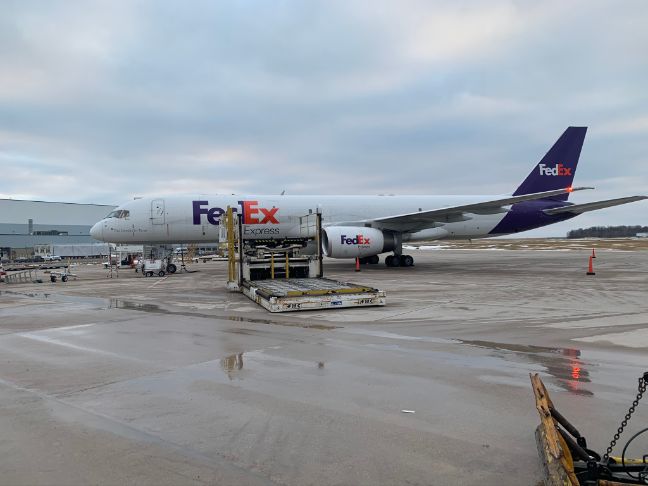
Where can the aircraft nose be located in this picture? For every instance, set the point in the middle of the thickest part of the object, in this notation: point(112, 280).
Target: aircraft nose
point(97, 231)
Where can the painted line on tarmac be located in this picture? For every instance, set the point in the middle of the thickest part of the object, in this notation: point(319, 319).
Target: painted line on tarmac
point(39, 336)
point(161, 280)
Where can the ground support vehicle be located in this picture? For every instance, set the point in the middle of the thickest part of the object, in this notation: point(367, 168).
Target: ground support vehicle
point(63, 275)
point(153, 267)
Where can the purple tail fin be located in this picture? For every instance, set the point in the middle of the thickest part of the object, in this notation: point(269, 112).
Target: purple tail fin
point(557, 168)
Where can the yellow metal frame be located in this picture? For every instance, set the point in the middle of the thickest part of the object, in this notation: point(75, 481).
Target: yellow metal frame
point(352, 290)
point(231, 249)
point(287, 267)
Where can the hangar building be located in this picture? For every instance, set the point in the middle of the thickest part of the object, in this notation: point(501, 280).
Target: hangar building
point(29, 225)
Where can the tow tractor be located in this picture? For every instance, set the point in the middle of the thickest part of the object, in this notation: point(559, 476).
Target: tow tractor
point(567, 461)
point(278, 275)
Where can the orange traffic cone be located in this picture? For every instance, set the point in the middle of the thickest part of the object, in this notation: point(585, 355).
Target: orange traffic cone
point(590, 270)
point(357, 264)
point(593, 253)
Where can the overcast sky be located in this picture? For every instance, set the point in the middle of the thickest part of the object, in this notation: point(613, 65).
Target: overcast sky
point(103, 101)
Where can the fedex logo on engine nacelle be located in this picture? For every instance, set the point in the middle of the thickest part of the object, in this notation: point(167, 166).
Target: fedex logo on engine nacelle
point(358, 240)
point(250, 211)
point(559, 170)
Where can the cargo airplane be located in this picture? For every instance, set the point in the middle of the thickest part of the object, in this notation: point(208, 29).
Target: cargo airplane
point(366, 226)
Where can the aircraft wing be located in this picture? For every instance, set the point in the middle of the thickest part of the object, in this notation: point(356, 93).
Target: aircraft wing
point(438, 217)
point(582, 208)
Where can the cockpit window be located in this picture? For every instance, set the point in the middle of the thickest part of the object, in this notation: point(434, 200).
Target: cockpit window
point(119, 213)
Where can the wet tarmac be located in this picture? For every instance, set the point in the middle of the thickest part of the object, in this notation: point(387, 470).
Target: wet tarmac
point(176, 381)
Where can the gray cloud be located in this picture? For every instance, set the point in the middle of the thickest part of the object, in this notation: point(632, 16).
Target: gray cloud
point(115, 99)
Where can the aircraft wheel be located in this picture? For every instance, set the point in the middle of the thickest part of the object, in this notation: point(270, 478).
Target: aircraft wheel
point(406, 261)
point(171, 268)
point(52, 278)
point(363, 261)
point(393, 261)
point(64, 278)
point(161, 273)
point(374, 259)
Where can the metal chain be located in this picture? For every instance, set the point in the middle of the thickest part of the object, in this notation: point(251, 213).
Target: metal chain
point(643, 383)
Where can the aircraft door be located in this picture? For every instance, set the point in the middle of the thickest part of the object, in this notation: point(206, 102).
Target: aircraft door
point(157, 211)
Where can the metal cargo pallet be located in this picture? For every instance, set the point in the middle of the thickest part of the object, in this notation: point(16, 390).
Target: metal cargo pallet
point(297, 294)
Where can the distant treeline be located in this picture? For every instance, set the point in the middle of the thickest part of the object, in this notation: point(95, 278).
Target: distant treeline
point(607, 231)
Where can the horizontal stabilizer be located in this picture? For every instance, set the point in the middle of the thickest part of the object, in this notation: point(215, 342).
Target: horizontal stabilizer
point(582, 208)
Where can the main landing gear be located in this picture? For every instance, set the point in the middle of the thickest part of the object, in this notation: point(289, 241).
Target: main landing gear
point(390, 261)
point(372, 260)
point(399, 261)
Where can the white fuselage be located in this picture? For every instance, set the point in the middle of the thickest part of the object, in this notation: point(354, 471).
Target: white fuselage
point(186, 219)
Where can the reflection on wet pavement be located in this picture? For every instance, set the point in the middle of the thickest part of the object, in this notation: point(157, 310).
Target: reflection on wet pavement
point(563, 364)
point(231, 364)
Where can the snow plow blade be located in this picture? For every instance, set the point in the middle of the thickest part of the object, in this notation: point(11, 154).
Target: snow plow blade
point(565, 458)
point(556, 459)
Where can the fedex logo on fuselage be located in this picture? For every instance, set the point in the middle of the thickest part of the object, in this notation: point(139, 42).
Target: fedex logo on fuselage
point(358, 240)
point(249, 210)
point(558, 170)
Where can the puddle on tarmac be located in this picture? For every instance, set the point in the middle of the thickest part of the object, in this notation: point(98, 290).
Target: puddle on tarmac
point(403, 337)
point(64, 298)
point(138, 306)
point(256, 320)
point(564, 364)
point(154, 308)
point(115, 303)
point(236, 330)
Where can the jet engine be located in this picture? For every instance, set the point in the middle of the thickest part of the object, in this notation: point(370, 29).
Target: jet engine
point(356, 241)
